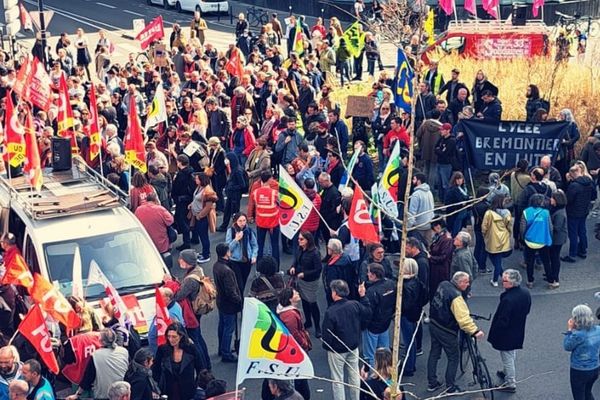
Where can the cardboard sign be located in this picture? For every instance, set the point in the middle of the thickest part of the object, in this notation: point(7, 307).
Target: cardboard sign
point(160, 55)
point(360, 106)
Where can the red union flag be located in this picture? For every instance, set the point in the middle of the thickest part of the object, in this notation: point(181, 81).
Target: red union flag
point(17, 271)
point(94, 130)
point(33, 166)
point(34, 84)
point(135, 152)
point(53, 302)
point(33, 327)
point(153, 31)
point(15, 135)
point(359, 222)
point(235, 65)
point(162, 319)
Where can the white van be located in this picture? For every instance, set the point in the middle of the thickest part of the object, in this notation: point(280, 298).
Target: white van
point(204, 6)
point(77, 208)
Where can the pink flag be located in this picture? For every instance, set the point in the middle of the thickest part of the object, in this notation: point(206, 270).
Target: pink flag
point(536, 7)
point(447, 6)
point(471, 7)
point(491, 7)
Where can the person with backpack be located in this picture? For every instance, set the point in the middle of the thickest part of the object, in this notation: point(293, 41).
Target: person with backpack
point(236, 185)
point(229, 302)
point(536, 231)
point(192, 296)
point(242, 243)
point(267, 286)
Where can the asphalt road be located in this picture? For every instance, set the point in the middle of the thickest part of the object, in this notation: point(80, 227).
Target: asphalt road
point(542, 366)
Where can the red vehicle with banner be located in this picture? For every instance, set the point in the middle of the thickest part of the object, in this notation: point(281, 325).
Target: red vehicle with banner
point(491, 40)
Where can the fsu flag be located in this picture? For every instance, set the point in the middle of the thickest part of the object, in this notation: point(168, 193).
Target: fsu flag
point(135, 153)
point(33, 166)
point(153, 31)
point(17, 271)
point(14, 131)
point(294, 205)
point(162, 319)
point(235, 65)
point(359, 222)
point(65, 114)
point(53, 302)
point(94, 130)
point(388, 186)
point(33, 327)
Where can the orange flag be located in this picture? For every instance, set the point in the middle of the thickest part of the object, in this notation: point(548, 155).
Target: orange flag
point(235, 65)
point(53, 302)
point(162, 319)
point(65, 114)
point(14, 132)
point(17, 271)
point(135, 153)
point(359, 221)
point(33, 327)
point(94, 130)
point(32, 167)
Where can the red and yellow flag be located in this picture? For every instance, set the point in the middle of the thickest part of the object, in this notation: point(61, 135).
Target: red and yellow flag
point(33, 165)
point(65, 114)
point(135, 153)
point(94, 130)
point(53, 302)
point(14, 131)
point(17, 271)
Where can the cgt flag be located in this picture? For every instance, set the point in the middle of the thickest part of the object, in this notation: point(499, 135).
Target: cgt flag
point(471, 7)
point(33, 167)
point(135, 153)
point(96, 276)
point(267, 348)
point(94, 126)
point(15, 135)
point(33, 327)
point(161, 319)
point(447, 6)
point(537, 4)
point(403, 82)
point(152, 32)
point(294, 205)
point(65, 114)
point(491, 7)
point(359, 222)
point(235, 64)
point(53, 302)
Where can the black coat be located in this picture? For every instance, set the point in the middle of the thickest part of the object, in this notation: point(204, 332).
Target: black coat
point(330, 200)
point(580, 193)
point(508, 326)
point(184, 382)
point(413, 298)
point(183, 186)
point(492, 111)
point(343, 319)
point(229, 300)
point(141, 386)
point(382, 299)
point(309, 262)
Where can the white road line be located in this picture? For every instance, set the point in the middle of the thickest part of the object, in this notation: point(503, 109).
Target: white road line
point(105, 5)
point(133, 13)
point(79, 18)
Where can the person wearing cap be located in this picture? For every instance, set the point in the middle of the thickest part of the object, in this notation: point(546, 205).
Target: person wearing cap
point(452, 86)
point(190, 286)
point(447, 157)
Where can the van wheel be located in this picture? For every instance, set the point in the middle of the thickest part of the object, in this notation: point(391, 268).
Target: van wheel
point(178, 7)
point(166, 4)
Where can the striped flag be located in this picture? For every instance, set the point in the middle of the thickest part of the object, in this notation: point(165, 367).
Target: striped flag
point(294, 205)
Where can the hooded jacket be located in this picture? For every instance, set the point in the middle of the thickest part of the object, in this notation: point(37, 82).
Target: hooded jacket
point(497, 230)
point(420, 207)
point(427, 137)
point(235, 184)
point(580, 193)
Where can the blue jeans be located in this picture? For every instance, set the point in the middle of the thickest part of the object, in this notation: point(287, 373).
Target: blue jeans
point(444, 173)
point(408, 329)
point(201, 229)
point(225, 332)
point(261, 234)
point(496, 259)
point(373, 341)
point(196, 335)
point(371, 66)
point(480, 253)
point(344, 67)
point(577, 236)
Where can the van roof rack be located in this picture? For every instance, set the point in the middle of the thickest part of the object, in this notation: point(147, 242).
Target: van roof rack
point(78, 190)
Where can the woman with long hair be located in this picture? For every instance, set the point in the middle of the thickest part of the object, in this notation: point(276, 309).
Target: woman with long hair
point(244, 249)
point(379, 379)
point(480, 85)
point(204, 216)
point(582, 340)
point(457, 194)
point(177, 364)
point(307, 271)
point(140, 189)
point(497, 229)
point(139, 376)
point(83, 53)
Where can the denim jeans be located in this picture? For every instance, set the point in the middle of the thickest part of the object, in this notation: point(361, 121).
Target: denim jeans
point(582, 383)
point(344, 71)
point(408, 330)
point(338, 362)
point(261, 234)
point(444, 173)
point(577, 236)
point(371, 66)
point(373, 341)
point(225, 331)
point(508, 366)
point(480, 253)
point(441, 339)
point(201, 229)
point(496, 259)
point(196, 335)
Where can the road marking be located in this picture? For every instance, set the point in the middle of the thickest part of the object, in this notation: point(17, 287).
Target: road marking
point(105, 5)
point(133, 13)
point(79, 18)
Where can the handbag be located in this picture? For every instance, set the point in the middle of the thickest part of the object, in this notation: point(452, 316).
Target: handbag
point(171, 233)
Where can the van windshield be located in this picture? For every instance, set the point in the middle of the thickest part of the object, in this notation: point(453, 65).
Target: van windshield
point(126, 258)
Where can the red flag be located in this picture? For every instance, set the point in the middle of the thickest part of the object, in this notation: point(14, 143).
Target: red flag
point(135, 152)
point(34, 84)
point(471, 7)
point(153, 31)
point(536, 7)
point(65, 114)
point(94, 130)
point(33, 166)
point(491, 7)
point(162, 319)
point(447, 6)
point(26, 21)
point(14, 132)
point(33, 327)
point(53, 302)
point(17, 271)
point(235, 65)
point(359, 222)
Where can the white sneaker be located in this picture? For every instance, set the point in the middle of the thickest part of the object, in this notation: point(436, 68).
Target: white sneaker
point(493, 283)
point(202, 260)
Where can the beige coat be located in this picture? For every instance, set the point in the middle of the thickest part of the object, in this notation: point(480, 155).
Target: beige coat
point(497, 231)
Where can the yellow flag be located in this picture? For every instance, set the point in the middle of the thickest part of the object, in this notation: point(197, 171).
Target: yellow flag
point(355, 39)
point(428, 27)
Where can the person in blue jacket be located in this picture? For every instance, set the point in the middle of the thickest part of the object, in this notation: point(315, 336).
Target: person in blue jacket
point(339, 130)
point(536, 231)
point(175, 314)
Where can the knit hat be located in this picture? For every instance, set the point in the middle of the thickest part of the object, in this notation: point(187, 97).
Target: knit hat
point(189, 256)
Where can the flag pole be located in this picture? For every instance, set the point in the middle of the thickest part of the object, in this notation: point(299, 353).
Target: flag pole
point(14, 335)
point(455, 13)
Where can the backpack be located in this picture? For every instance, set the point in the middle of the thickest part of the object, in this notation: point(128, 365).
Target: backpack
point(205, 300)
point(270, 296)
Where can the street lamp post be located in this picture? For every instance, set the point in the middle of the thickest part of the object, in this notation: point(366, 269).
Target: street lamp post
point(43, 32)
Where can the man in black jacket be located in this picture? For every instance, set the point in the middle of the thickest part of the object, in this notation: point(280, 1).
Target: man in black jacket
point(229, 301)
point(181, 193)
point(425, 103)
point(507, 332)
point(452, 87)
point(330, 201)
point(447, 157)
point(218, 122)
point(341, 336)
point(381, 293)
point(580, 193)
